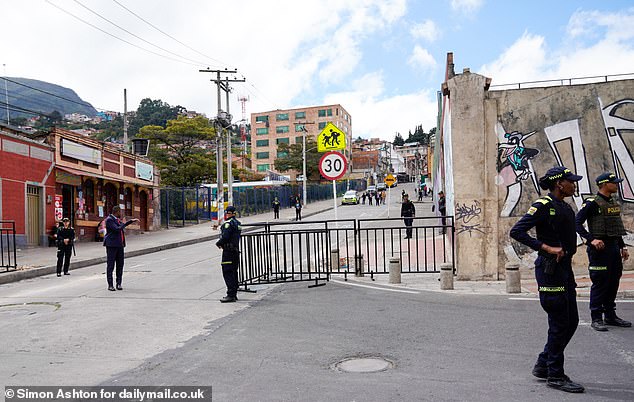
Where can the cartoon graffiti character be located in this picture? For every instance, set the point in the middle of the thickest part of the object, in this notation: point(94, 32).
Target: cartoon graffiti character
point(513, 153)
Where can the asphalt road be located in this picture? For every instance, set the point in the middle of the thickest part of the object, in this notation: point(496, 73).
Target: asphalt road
point(280, 344)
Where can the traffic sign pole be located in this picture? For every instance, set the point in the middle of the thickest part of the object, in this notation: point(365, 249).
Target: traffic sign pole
point(389, 197)
point(334, 196)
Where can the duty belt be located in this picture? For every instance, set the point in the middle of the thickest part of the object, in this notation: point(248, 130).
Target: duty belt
point(552, 289)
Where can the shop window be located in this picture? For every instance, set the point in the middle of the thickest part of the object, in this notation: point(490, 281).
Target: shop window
point(89, 196)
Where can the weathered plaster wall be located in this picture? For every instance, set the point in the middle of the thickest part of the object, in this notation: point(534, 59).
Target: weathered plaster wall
point(503, 141)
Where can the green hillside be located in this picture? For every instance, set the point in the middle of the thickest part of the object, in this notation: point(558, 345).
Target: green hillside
point(21, 96)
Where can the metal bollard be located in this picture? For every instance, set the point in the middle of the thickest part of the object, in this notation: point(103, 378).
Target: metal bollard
point(358, 268)
point(513, 278)
point(446, 276)
point(395, 270)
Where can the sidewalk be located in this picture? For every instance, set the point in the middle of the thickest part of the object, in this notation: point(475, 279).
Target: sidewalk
point(38, 261)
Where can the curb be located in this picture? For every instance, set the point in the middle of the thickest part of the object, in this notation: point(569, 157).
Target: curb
point(15, 276)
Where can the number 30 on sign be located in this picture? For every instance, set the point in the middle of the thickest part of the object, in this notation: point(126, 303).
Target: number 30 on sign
point(333, 165)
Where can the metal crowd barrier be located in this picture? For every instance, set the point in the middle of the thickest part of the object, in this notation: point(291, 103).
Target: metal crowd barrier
point(8, 258)
point(314, 250)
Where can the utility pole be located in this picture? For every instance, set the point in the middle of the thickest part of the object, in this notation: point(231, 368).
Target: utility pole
point(304, 178)
point(125, 120)
point(227, 89)
point(222, 121)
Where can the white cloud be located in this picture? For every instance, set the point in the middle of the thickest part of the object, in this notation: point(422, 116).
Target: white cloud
point(425, 30)
point(597, 44)
point(421, 58)
point(466, 6)
point(376, 115)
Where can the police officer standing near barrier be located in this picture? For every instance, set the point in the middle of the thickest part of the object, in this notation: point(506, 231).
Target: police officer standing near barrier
point(606, 251)
point(556, 243)
point(408, 211)
point(229, 242)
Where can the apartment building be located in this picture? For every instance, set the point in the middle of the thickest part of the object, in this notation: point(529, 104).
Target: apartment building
point(269, 129)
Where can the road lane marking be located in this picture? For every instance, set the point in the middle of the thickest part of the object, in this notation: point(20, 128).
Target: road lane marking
point(375, 287)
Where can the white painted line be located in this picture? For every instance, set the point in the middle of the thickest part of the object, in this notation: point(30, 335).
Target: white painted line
point(375, 287)
point(136, 266)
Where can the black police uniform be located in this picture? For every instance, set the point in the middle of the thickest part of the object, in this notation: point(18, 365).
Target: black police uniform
point(605, 266)
point(554, 222)
point(276, 209)
point(230, 243)
point(64, 250)
point(407, 211)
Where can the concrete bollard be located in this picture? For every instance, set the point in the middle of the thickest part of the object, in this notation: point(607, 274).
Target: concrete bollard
point(358, 268)
point(446, 276)
point(513, 280)
point(395, 270)
point(334, 260)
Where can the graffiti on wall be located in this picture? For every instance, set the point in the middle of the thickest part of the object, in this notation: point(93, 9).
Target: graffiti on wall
point(468, 218)
point(514, 165)
point(615, 128)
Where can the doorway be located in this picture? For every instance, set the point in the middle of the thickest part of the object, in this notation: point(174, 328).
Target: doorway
point(143, 212)
point(34, 220)
point(68, 204)
point(111, 195)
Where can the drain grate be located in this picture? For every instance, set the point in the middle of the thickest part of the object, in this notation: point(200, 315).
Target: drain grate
point(370, 364)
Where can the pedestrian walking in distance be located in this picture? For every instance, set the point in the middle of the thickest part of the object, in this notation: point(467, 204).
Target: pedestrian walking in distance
point(363, 197)
point(64, 238)
point(114, 242)
point(556, 243)
point(408, 211)
point(229, 242)
point(298, 210)
point(276, 208)
point(606, 251)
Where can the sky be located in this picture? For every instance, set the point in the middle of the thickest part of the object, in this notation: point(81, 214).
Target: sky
point(382, 60)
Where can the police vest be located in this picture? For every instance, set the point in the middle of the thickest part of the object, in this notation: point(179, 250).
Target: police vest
point(608, 222)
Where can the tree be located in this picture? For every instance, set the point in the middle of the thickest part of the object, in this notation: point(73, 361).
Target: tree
point(153, 113)
point(398, 140)
point(290, 158)
point(179, 152)
point(110, 129)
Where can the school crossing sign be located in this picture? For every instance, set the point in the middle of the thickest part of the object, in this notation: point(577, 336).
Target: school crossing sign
point(331, 139)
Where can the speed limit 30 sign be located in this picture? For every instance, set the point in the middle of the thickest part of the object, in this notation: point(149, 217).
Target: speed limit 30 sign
point(333, 165)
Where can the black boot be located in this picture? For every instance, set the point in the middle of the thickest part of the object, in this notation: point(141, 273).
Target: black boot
point(565, 384)
point(598, 325)
point(617, 322)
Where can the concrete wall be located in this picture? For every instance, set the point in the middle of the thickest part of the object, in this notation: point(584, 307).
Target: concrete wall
point(501, 142)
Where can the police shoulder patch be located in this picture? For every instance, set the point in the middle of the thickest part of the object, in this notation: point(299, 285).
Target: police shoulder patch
point(227, 225)
point(531, 210)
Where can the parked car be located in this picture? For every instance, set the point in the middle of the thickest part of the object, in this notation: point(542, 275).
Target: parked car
point(380, 186)
point(350, 197)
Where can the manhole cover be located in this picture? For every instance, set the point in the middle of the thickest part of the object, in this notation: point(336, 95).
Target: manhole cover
point(363, 365)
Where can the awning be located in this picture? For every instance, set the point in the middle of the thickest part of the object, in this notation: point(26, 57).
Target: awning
point(80, 173)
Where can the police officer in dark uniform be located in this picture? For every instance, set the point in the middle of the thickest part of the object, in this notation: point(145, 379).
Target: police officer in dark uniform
point(606, 250)
point(229, 242)
point(556, 243)
point(276, 208)
point(65, 238)
point(408, 211)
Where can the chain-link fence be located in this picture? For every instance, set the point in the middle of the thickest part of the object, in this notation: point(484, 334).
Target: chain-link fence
point(191, 205)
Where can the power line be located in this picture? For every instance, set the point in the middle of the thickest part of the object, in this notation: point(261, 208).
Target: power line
point(15, 108)
point(118, 38)
point(135, 35)
point(168, 35)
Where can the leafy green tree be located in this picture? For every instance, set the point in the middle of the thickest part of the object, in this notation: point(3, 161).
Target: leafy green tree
point(152, 113)
point(179, 151)
point(398, 139)
point(292, 158)
point(110, 129)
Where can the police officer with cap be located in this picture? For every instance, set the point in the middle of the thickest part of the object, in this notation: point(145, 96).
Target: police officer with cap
point(556, 243)
point(229, 242)
point(606, 250)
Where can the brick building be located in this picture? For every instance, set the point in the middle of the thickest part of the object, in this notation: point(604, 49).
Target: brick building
point(27, 185)
point(269, 129)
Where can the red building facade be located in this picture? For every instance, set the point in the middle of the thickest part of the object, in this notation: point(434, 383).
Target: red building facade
point(27, 186)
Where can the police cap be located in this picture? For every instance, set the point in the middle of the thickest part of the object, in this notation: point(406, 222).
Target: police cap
point(608, 178)
point(231, 209)
point(560, 172)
